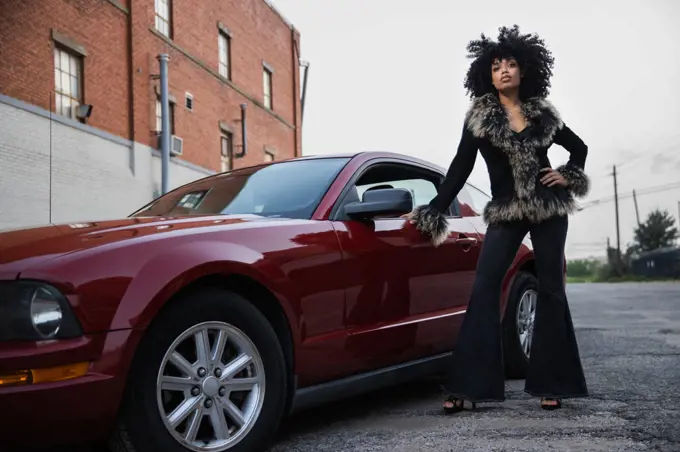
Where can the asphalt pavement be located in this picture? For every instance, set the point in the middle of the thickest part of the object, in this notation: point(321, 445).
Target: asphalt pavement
point(629, 337)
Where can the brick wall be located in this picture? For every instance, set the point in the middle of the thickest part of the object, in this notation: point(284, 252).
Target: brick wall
point(27, 69)
point(121, 62)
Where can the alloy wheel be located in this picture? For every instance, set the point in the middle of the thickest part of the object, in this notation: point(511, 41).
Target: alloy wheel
point(210, 387)
point(526, 316)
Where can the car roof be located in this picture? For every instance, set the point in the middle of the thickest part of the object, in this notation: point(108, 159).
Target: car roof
point(364, 155)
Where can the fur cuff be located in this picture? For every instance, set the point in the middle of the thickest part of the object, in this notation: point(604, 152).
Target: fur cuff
point(431, 222)
point(579, 183)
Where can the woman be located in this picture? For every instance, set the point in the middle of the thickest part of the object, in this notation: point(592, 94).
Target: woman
point(512, 125)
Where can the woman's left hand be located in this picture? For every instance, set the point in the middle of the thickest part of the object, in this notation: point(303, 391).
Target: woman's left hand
point(553, 177)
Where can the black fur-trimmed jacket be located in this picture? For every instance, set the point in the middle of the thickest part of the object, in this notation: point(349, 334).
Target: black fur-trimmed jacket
point(513, 161)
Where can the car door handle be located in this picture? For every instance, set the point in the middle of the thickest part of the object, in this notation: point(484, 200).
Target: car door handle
point(466, 241)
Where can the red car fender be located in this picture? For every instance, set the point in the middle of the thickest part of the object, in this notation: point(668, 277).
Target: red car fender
point(188, 263)
point(167, 273)
point(520, 262)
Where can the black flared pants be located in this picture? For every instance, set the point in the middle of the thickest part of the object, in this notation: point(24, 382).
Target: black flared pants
point(476, 370)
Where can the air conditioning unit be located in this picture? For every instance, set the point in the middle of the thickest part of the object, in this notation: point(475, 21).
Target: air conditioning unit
point(176, 145)
point(79, 112)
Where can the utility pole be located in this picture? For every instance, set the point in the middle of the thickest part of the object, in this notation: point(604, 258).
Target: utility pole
point(616, 203)
point(618, 235)
point(637, 213)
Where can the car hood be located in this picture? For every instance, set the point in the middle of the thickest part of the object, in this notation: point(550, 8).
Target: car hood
point(23, 248)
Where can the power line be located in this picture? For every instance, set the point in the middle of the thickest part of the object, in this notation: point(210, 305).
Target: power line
point(609, 199)
point(599, 242)
point(588, 246)
point(645, 191)
point(598, 178)
point(665, 150)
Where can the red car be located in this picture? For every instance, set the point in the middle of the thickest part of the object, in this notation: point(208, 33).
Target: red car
point(204, 318)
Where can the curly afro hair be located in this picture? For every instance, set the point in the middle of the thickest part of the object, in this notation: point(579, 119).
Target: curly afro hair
point(534, 59)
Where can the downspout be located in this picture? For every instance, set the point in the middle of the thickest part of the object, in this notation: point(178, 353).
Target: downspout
point(165, 122)
point(244, 139)
point(131, 90)
point(304, 64)
point(295, 54)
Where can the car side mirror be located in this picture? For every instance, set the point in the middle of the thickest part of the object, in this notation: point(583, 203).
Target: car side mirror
point(389, 201)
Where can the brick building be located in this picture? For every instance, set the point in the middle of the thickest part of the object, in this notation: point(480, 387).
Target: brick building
point(57, 55)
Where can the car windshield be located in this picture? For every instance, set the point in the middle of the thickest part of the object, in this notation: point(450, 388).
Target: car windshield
point(291, 189)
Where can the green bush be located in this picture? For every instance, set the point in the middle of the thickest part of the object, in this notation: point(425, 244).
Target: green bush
point(582, 268)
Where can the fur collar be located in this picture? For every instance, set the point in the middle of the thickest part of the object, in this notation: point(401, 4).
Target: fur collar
point(487, 119)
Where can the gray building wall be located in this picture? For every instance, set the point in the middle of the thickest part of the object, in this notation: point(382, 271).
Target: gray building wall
point(95, 175)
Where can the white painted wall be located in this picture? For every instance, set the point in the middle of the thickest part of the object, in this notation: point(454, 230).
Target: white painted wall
point(95, 175)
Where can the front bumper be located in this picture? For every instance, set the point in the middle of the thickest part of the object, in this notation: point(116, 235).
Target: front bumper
point(76, 410)
point(51, 414)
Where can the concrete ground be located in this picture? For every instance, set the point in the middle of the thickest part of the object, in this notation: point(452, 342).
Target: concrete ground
point(629, 337)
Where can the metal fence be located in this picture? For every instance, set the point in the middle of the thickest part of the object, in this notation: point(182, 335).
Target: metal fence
point(663, 262)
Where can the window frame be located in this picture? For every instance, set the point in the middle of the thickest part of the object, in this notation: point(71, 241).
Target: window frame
point(159, 18)
point(225, 134)
point(268, 84)
point(437, 177)
point(223, 36)
point(158, 117)
point(72, 56)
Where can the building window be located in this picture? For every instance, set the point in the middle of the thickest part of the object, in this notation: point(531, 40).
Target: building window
point(226, 150)
point(68, 76)
point(159, 124)
point(224, 44)
point(192, 200)
point(162, 16)
point(267, 80)
point(268, 156)
point(189, 101)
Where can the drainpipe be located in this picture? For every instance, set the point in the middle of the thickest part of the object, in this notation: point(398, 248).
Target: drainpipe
point(244, 141)
point(304, 64)
point(131, 91)
point(296, 82)
point(165, 122)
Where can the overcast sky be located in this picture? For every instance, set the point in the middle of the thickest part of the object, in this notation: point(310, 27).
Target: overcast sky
point(388, 75)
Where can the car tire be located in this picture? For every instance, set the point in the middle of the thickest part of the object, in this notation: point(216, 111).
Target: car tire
point(142, 423)
point(515, 358)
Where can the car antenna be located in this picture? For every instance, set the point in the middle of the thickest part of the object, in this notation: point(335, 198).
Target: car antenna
point(50, 175)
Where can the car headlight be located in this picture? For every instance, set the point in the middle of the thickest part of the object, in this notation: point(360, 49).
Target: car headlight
point(32, 311)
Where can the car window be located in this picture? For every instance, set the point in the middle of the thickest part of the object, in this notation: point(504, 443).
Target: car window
point(291, 189)
point(474, 197)
point(420, 182)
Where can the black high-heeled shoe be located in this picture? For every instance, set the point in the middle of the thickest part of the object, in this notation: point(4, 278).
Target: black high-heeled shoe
point(455, 405)
point(549, 403)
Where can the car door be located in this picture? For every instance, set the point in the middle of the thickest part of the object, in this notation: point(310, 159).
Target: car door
point(404, 297)
point(472, 202)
